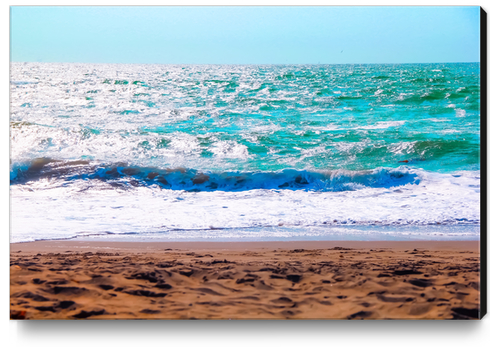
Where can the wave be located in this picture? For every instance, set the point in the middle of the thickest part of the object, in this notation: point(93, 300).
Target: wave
point(121, 175)
point(89, 207)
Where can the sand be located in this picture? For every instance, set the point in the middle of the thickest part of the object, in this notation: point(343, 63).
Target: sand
point(245, 280)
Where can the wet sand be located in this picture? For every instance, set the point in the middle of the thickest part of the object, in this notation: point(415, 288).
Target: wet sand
point(245, 280)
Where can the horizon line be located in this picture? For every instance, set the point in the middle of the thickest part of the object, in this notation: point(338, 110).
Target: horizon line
point(240, 64)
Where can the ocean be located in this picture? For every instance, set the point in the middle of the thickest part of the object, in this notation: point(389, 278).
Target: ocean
point(244, 152)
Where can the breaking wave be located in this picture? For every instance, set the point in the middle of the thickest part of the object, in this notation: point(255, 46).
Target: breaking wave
point(122, 175)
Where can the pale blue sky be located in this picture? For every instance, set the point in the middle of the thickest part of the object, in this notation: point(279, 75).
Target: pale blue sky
point(245, 35)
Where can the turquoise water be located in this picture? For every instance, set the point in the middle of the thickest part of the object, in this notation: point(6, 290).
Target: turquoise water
point(153, 131)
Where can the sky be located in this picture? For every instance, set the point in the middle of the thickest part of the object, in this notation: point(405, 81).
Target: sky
point(244, 35)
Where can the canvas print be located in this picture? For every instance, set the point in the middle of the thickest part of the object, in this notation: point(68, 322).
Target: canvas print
point(245, 162)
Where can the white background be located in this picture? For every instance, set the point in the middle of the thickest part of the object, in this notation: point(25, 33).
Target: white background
point(215, 333)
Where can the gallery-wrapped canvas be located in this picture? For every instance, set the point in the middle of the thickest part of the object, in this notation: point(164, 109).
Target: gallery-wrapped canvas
point(207, 163)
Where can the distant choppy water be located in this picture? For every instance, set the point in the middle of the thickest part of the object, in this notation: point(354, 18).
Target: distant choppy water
point(105, 149)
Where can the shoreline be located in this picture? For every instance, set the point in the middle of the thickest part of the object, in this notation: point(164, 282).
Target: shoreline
point(316, 233)
point(245, 280)
point(152, 246)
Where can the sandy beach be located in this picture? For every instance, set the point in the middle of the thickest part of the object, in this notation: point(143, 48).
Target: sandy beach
point(245, 280)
